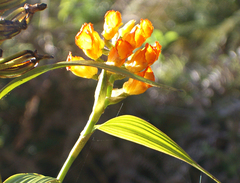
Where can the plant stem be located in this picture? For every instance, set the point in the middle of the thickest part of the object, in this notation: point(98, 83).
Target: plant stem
point(72, 156)
point(98, 109)
point(99, 103)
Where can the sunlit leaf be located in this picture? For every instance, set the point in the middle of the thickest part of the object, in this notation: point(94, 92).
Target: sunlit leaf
point(42, 69)
point(141, 132)
point(30, 178)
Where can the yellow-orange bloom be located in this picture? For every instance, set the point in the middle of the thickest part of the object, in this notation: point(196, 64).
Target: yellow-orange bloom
point(81, 71)
point(135, 87)
point(143, 58)
point(89, 41)
point(119, 53)
point(139, 34)
point(113, 21)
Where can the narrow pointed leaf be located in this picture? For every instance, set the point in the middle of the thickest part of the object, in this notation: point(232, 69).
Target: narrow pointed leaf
point(42, 69)
point(30, 178)
point(141, 132)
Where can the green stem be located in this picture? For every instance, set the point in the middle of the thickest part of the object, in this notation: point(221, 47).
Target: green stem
point(72, 156)
point(98, 108)
point(99, 103)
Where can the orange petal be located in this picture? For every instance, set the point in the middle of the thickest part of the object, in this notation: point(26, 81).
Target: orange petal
point(143, 58)
point(114, 58)
point(119, 53)
point(139, 37)
point(138, 61)
point(152, 53)
point(149, 75)
point(127, 28)
point(130, 38)
point(124, 48)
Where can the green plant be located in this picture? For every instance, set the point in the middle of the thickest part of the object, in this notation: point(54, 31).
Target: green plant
point(118, 45)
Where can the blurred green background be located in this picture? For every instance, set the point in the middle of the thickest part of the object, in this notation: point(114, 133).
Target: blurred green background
point(41, 120)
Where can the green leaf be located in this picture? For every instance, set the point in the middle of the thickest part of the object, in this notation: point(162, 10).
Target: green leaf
point(141, 132)
point(42, 69)
point(30, 178)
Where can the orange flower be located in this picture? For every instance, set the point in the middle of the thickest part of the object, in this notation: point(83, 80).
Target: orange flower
point(143, 58)
point(89, 41)
point(113, 21)
point(119, 53)
point(135, 87)
point(123, 42)
point(139, 34)
point(81, 71)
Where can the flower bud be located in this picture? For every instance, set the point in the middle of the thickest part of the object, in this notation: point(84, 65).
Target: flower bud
point(89, 41)
point(135, 87)
point(81, 71)
point(113, 21)
point(146, 28)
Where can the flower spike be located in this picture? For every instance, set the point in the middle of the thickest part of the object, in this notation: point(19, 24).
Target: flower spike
point(118, 45)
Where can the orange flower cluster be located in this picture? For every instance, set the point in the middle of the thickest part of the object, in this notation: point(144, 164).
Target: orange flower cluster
point(122, 42)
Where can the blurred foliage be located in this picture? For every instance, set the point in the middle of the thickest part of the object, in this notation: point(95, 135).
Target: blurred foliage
point(164, 39)
point(80, 11)
point(40, 121)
